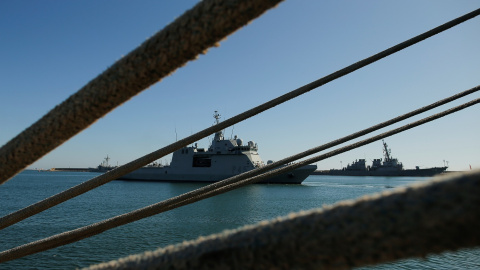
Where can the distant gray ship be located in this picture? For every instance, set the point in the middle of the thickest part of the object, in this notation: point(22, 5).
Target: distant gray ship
point(389, 167)
point(103, 167)
point(223, 159)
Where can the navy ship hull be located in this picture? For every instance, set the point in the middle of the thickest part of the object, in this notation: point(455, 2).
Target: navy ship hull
point(406, 173)
point(161, 174)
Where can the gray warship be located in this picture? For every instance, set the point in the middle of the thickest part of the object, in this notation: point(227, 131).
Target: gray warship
point(223, 159)
point(103, 167)
point(389, 167)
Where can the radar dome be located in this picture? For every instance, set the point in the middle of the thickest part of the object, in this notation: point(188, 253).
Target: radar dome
point(269, 162)
point(239, 142)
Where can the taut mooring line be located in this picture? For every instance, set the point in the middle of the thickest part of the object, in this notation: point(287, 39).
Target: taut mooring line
point(99, 227)
point(133, 165)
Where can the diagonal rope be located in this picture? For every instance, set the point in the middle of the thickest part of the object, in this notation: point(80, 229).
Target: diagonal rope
point(16, 216)
point(99, 227)
point(133, 165)
point(318, 158)
point(242, 181)
point(198, 29)
point(410, 222)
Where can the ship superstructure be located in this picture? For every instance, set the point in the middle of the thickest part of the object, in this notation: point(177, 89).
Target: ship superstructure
point(389, 163)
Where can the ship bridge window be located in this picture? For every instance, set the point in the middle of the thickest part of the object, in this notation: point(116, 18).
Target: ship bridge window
point(202, 162)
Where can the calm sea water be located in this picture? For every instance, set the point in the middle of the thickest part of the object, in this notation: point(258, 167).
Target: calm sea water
point(247, 205)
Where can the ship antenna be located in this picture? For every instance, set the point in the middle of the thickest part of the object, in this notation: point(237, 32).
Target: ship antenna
point(219, 134)
point(106, 161)
point(386, 151)
point(216, 115)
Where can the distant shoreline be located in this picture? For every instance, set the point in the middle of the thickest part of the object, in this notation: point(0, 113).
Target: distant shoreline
point(62, 170)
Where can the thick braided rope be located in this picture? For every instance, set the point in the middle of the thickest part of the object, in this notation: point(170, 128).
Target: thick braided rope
point(188, 36)
point(412, 222)
point(93, 229)
point(109, 176)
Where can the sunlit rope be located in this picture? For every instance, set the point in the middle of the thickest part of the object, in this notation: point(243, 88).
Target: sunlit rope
point(96, 228)
point(198, 29)
point(308, 90)
point(411, 222)
point(131, 166)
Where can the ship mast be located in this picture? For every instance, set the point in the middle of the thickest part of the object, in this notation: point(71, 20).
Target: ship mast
point(105, 162)
point(386, 151)
point(219, 134)
point(216, 115)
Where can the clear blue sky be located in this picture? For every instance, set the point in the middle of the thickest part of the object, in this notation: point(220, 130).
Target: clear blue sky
point(50, 49)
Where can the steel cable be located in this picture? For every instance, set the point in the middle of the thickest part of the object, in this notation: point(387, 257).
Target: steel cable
point(99, 227)
point(131, 166)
